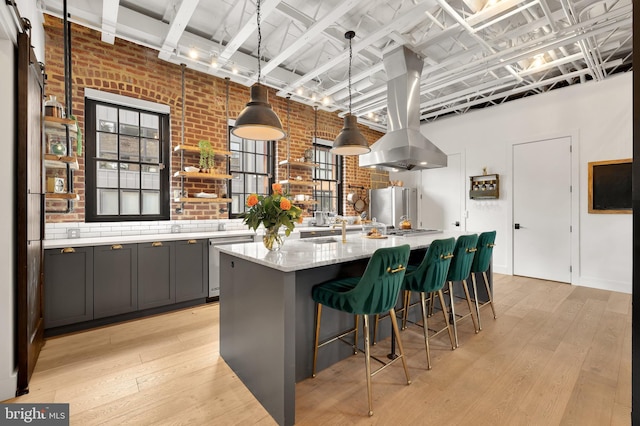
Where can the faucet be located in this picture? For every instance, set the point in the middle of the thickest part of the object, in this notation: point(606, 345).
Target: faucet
point(343, 223)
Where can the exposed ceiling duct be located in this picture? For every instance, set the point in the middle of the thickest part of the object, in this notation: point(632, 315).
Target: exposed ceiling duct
point(403, 147)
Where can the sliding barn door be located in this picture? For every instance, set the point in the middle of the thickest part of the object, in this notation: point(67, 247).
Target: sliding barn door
point(30, 213)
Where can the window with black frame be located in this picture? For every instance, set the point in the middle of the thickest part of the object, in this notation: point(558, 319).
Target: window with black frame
point(251, 164)
point(327, 176)
point(127, 163)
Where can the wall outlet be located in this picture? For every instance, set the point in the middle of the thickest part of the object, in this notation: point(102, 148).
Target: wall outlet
point(73, 233)
point(175, 229)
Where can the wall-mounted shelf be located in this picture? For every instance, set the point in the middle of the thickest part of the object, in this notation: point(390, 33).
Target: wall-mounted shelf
point(298, 163)
point(60, 121)
point(53, 161)
point(203, 200)
point(65, 196)
point(202, 175)
point(60, 135)
point(294, 182)
point(306, 202)
point(196, 150)
point(484, 187)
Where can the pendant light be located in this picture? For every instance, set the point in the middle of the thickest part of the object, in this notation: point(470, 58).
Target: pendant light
point(258, 121)
point(350, 141)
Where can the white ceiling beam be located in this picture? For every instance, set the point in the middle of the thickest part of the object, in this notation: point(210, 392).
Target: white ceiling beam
point(330, 33)
point(177, 27)
point(149, 32)
point(517, 90)
point(311, 33)
point(109, 20)
point(249, 27)
point(407, 20)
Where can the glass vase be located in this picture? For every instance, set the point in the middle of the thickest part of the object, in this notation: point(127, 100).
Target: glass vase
point(272, 240)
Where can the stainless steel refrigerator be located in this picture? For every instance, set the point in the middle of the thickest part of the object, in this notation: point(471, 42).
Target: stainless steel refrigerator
point(388, 205)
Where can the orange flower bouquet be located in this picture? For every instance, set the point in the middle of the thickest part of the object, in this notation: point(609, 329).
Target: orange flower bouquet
point(272, 211)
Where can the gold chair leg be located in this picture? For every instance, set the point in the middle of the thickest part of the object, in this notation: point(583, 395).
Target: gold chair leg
point(466, 293)
point(453, 314)
point(475, 297)
point(405, 313)
point(355, 335)
point(375, 329)
point(431, 304)
point(367, 362)
point(317, 337)
point(425, 329)
point(446, 318)
point(394, 321)
point(486, 284)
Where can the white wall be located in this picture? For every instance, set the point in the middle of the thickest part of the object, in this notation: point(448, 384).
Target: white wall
point(598, 118)
point(7, 269)
point(8, 174)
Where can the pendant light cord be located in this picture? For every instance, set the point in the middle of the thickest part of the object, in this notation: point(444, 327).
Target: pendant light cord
point(259, 39)
point(350, 59)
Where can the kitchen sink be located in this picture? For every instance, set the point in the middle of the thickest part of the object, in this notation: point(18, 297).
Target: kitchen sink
point(321, 240)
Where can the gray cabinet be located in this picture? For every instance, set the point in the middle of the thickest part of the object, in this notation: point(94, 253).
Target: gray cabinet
point(191, 269)
point(156, 277)
point(68, 287)
point(89, 283)
point(115, 279)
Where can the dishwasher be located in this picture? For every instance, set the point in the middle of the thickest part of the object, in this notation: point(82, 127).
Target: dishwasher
point(214, 260)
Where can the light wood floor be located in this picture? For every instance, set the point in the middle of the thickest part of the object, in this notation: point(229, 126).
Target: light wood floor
point(556, 355)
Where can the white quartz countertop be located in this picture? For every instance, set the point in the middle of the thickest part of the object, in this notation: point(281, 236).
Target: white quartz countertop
point(144, 238)
point(298, 254)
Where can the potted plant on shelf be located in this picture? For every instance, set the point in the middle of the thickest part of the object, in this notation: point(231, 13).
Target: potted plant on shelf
point(206, 156)
point(272, 211)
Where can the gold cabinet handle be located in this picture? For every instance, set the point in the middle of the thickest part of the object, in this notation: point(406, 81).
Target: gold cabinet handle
point(313, 232)
point(398, 269)
point(472, 250)
point(446, 256)
point(156, 244)
point(191, 242)
point(490, 245)
point(116, 247)
point(68, 250)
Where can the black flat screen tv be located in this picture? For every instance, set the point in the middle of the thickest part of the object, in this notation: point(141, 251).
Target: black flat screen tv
point(610, 186)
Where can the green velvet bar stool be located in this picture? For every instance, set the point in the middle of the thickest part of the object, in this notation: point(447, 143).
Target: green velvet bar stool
point(486, 242)
point(459, 271)
point(373, 293)
point(429, 278)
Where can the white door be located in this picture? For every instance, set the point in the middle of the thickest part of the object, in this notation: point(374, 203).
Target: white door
point(441, 196)
point(542, 209)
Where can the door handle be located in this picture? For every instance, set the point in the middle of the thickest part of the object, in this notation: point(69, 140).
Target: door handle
point(516, 226)
point(456, 223)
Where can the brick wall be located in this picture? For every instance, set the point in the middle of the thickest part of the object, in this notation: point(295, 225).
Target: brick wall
point(130, 70)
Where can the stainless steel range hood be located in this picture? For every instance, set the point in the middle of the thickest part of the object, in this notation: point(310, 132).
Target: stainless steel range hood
point(403, 147)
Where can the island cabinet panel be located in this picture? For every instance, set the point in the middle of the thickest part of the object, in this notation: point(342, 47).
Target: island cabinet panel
point(191, 269)
point(68, 286)
point(115, 279)
point(156, 277)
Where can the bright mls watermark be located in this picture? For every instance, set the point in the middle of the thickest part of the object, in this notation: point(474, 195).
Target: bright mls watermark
point(34, 414)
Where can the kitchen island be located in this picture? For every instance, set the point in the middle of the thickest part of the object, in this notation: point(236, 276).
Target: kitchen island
point(267, 314)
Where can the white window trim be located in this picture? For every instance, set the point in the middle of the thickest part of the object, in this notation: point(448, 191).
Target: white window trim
point(126, 101)
point(324, 142)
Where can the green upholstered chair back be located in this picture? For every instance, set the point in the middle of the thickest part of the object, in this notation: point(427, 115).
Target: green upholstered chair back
point(376, 291)
point(485, 245)
point(463, 254)
point(431, 274)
